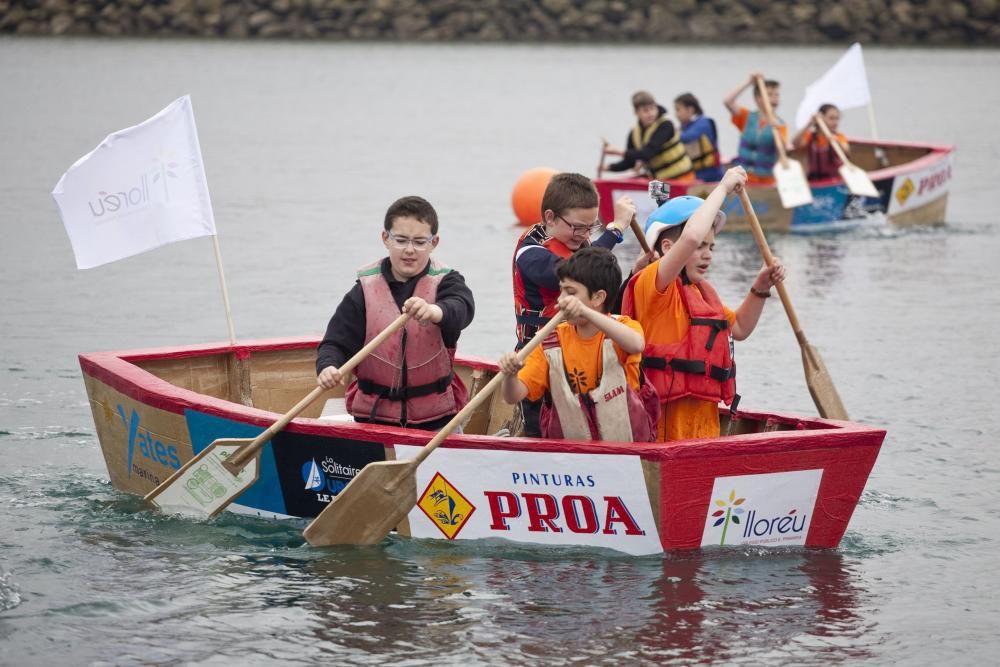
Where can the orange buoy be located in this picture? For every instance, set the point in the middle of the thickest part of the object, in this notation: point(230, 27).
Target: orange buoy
point(526, 198)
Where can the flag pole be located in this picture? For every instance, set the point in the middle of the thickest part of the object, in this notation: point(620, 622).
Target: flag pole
point(225, 290)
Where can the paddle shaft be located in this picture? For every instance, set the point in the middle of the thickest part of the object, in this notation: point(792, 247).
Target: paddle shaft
point(240, 459)
point(779, 143)
point(765, 251)
point(485, 392)
point(637, 230)
point(604, 152)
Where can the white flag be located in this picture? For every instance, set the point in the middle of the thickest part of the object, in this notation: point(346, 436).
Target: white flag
point(844, 85)
point(141, 188)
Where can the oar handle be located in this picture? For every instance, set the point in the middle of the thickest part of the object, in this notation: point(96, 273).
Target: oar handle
point(779, 143)
point(604, 153)
point(485, 392)
point(765, 251)
point(637, 230)
point(821, 124)
point(246, 453)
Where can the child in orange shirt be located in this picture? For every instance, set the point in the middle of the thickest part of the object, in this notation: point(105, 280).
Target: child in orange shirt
point(757, 153)
point(689, 332)
point(588, 370)
point(820, 156)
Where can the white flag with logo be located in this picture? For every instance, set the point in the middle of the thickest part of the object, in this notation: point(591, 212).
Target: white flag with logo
point(141, 188)
point(844, 85)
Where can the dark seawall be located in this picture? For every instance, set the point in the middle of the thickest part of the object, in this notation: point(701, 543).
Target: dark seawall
point(902, 22)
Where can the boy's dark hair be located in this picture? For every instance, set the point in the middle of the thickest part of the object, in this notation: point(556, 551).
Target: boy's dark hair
point(769, 84)
point(827, 107)
point(690, 101)
point(597, 269)
point(566, 191)
point(642, 98)
point(672, 233)
point(413, 207)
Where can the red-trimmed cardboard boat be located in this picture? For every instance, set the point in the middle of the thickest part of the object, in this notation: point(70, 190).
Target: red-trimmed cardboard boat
point(913, 190)
point(778, 480)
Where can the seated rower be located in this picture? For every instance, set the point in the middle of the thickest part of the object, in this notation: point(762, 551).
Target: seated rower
point(654, 143)
point(588, 370)
point(700, 138)
point(820, 156)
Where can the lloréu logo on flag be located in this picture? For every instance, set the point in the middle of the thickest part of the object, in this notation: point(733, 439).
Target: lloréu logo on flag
point(141, 188)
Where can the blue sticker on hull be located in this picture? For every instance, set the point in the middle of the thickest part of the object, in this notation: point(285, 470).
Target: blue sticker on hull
point(265, 494)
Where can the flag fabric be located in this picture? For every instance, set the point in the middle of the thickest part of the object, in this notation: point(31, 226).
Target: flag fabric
point(844, 85)
point(141, 188)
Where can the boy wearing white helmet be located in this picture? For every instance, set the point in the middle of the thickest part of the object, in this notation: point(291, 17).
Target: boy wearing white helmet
point(689, 332)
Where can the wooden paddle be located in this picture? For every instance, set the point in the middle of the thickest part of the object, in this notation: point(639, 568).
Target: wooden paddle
point(604, 152)
point(793, 188)
point(856, 178)
point(384, 492)
point(639, 234)
point(214, 478)
point(824, 394)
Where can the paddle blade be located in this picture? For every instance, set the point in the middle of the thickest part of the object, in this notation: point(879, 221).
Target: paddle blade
point(203, 487)
point(857, 180)
point(793, 188)
point(820, 385)
point(372, 504)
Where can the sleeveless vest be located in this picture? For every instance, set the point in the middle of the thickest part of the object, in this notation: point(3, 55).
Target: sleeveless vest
point(757, 153)
point(704, 154)
point(529, 315)
point(612, 411)
point(408, 379)
point(672, 161)
point(699, 365)
point(823, 161)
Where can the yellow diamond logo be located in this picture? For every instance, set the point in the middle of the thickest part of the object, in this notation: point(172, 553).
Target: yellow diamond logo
point(904, 191)
point(447, 509)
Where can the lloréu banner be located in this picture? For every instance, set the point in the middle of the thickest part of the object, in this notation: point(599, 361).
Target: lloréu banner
point(141, 188)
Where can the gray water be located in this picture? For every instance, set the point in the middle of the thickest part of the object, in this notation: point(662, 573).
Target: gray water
point(305, 145)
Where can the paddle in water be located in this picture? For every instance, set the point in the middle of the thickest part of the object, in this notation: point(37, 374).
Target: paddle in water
point(821, 388)
point(856, 178)
point(793, 188)
point(384, 492)
point(214, 478)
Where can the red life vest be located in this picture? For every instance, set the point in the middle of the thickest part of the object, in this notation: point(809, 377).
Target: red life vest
point(532, 312)
point(699, 365)
point(612, 411)
point(408, 379)
point(823, 161)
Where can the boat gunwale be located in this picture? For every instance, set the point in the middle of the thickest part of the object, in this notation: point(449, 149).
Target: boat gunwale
point(119, 371)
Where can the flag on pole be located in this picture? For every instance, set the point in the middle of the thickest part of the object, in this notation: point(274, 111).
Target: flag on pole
point(141, 188)
point(845, 85)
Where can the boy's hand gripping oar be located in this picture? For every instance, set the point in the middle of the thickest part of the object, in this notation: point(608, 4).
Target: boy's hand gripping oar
point(856, 179)
point(824, 394)
point(214, 478)
point(384, 492)
point(793, 188)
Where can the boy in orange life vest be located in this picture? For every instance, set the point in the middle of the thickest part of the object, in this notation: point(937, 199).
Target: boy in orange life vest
point(569, 217)
point(820, 156)
point(757, 153)
point(588, 370)
point(408, 380)
point(688, 354)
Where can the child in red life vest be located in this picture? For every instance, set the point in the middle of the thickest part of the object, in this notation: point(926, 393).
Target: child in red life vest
point(588, 370)
point(569, 218)
point(408, 380)
point(688, 353)
point(820, 156)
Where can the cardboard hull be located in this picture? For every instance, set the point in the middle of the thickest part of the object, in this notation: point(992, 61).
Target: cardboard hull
point(781, 481)
point(913, 191)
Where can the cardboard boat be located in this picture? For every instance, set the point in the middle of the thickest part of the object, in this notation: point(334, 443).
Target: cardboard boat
point(913, 190)
point(777, 480)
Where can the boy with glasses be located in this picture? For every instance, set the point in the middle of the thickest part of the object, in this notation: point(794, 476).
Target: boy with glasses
point(408, 380)
point(569, 218)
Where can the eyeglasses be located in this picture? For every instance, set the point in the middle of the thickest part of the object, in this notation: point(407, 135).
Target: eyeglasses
point(581, 230)
point(419, 243)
